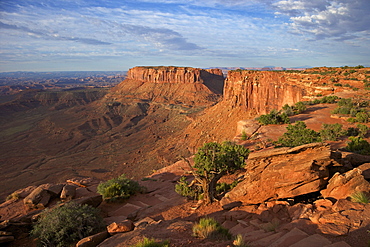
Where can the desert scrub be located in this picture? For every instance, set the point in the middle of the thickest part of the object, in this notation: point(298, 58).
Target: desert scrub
point(274, 117)
point(331, 132)
point(119, 188)
point(297, 135)
point(358, 145)
point(67, 224)
point(210, 228)
point(183, 188)
point(146, 242)
point(13, 195)
point(360, 197)
point(239, 241)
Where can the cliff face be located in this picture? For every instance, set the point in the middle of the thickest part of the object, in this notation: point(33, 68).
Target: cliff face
point(173, 85)
point(261, 91)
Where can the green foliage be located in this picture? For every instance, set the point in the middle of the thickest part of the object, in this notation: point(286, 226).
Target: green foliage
point(119, 188)
point(331, 132)
point(358, 145)
point(212, 161)
point(328, 99)
point(214, 158)
point(183, 188)
point(352, 131)
point(210, 228)
point(362, 117)
point(66, 224)
point(244, 136)
point(299, 107)
point(363, 129)
point(152, 243)
point(274, 117)
point(297, 135)
point(224, 187)
point(360, 197)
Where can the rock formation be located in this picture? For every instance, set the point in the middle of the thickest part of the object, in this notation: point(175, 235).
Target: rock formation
point(172, 85)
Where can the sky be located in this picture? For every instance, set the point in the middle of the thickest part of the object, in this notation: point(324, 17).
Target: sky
point(113, 35)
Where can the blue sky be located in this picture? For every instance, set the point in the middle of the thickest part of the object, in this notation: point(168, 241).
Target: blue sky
point(65, 35)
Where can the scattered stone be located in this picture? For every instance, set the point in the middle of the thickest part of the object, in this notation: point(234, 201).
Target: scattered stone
point(83, 182)
point(230, 205)
point(123, 226)
point(68, 192)
point(22, 193)
point(93, 201)
point(365, 168)
point(333, 229)
point(323, 204)
point(54, 189)
point(290, 238)
point(341, 186)
point(4, 224)
point(94, 240)
point(38, 198)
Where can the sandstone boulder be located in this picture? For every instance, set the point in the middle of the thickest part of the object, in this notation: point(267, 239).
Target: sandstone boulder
point(284, 173)
point(120, 227)
point(54, 189)
point(344, 185)
point(68, 192)
point(93, 240)
point(365, 168)
point(38, 198)
point(94, 201)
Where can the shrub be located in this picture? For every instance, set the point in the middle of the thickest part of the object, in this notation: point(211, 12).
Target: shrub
point(119, 188)
point(360, 197)
point(358, 145)
point(152, 243)
point(66, 224)
point(210, 228)
point(362, 117)
point(224, 187)
point(363, 129)
point(274, 117)
point(299, 107)
point(244, 136)
point(239, 241)
point(331, 132)
point(13, 195)
point(352, 131)
point(182, 188)
point(297, 135)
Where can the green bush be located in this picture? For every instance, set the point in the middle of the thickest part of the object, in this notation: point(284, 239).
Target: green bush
point(362, 117)
point(210, 228)
point(331, 132)
point(274, 117)
point(297, 135)
point(352, 131)
point(152, 243)
point(224, 187)
point(358, 145)
point(67, 224)
point(244, 136)
point(182, 188)
point(119, 188)
point(363, 129)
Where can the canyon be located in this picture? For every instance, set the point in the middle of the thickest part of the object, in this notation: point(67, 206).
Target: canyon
point(157, 114)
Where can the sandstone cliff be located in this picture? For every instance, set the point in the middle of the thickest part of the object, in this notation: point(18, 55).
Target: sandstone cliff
point(171, 85)
point(262, 91)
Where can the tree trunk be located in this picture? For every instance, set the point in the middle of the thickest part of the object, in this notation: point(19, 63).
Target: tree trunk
point(209, 188)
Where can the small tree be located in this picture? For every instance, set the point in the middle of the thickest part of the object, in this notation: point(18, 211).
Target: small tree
point(214, 160)
point(331, 132)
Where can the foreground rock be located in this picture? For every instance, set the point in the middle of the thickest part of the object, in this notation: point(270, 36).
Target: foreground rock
point(284, 173)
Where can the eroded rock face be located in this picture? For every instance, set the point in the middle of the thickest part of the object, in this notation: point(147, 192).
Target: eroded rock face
point(344, 185)
point(284, 173)
point(173, 85)
point(262, 91)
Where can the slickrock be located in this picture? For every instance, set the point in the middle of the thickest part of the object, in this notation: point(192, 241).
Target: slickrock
point(93, 240)
point(284, 173)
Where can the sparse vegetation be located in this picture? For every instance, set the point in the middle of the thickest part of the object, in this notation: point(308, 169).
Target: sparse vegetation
point(119, 188)
point(146, 242)
point(244, 136)
point(331, 132)
point(274, 117)
point(12, 196)
point(360, 197)
point(210, 228)
point(297, 135)
point(185, 189)
point(358, 145)
point(66, 224)
point(239, 242)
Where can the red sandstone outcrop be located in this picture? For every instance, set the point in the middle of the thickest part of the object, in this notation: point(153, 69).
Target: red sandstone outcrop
point(281, 173)
point(262, 91)
point(172, 85)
